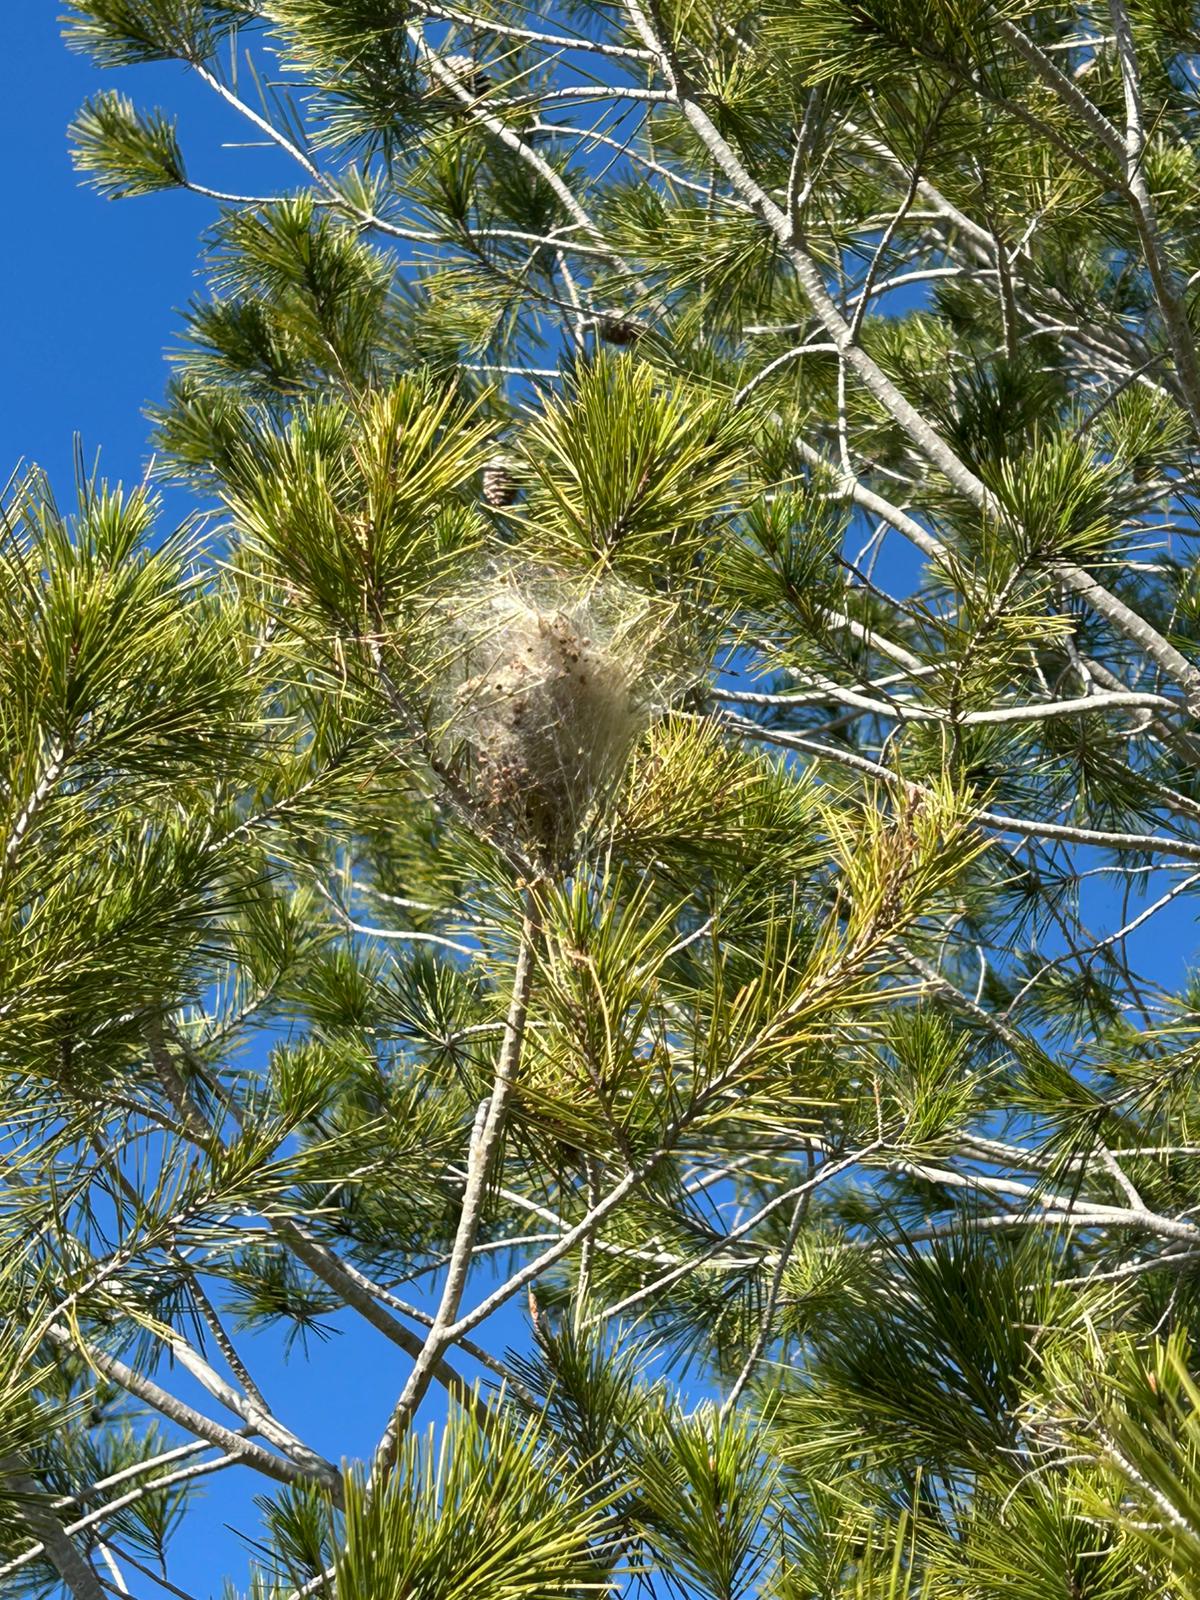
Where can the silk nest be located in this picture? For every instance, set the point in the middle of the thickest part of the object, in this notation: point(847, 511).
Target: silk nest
point(553, 684)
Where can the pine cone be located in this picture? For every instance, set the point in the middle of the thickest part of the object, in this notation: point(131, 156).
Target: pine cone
point(499, 484)
point(618, 330)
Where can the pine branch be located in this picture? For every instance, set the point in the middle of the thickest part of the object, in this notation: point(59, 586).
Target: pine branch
point(338, 1275)
point(131, 1497)
point(486, 1135)
point(1026, 826)
point(799, 1192)
point(280, 1468)
point(77, 1574)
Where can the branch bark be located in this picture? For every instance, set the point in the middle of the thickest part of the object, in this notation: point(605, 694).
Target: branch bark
point(73, 1568)
point(486, 1136)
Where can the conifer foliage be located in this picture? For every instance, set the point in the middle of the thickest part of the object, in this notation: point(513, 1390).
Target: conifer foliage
point(659, 806)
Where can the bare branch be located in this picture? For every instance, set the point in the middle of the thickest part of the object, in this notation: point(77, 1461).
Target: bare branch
point(485, 1139)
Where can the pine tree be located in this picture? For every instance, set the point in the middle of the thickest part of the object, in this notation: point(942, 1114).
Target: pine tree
point(649, 804)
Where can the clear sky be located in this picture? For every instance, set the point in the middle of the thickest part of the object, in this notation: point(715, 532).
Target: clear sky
point(90, 287)
point(90, 290)
point(87, 286)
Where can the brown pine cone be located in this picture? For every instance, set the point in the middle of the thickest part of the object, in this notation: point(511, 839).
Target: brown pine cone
point(499, 483)
point(618, 330)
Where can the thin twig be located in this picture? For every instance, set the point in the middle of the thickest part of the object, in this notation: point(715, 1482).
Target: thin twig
point(485, 1139)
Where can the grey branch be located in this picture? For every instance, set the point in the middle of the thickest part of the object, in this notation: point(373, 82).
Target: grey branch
point(485, 1139)
point(72, 1567)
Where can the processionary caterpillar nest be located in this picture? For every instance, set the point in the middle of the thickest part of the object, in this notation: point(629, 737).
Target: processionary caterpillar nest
point(556, 687)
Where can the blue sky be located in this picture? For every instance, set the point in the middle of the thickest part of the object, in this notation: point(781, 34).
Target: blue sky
point(91, 287)
point(88, 287)
point(91, 290)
